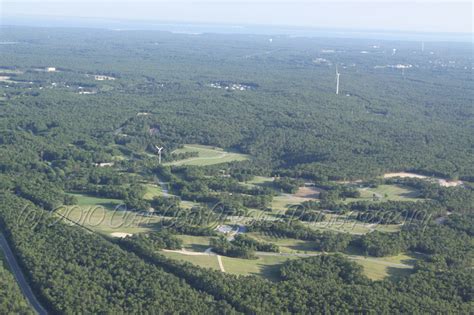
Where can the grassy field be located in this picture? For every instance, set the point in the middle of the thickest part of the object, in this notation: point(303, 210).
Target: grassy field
point(86, 200)
point(287, 245)
point(351, 226)
point(375, 268)
point(265, 266)
point(393, 267)
point(208, 155)
point(195, 243)
point(261, 180)
point(377, 271)
point(152, 190)
point(99, 214)
point(204, 261)
point(386, 193)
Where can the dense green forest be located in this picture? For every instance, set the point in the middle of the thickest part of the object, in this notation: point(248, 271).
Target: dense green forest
point(292, 120)
point(11, 298)
point(78, 272)
point(85, 134)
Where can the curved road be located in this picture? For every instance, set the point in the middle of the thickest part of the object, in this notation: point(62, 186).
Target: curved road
point(20, 278)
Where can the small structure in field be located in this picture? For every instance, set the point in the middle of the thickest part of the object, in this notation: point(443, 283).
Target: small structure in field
point(50, 69)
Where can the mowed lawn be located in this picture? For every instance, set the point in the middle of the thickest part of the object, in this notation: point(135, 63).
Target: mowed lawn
point(376, 268)
point(286, 245)
point(195, 243)
point(393, 267)
point(264, 266)
point(152, 190)
point(86, 200)
point(208, 155)
point(103, 215)
point(388, 192)
point(205, 261)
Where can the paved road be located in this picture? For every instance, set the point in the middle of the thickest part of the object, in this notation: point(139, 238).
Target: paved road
point(20, 278)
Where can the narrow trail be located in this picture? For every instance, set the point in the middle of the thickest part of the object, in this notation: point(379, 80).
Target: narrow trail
point(20, 278)
point(221, 265)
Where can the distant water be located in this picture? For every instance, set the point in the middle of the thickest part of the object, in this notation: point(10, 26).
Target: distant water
point(200, 28)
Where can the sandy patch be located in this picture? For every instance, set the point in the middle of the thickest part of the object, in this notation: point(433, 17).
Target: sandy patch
point(307, 192)
point(403, 175)
point(120, 234)
point(440, 181)
point(449, 183)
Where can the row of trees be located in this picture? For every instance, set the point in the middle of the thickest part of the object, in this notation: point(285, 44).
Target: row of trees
point(241, 246)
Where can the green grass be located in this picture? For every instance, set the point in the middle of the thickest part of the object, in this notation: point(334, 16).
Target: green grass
point(386, 267)
point(282, 202)
point(261, 180)
point(208, 155)
point(204, 261)
point(387, 193)
point(152, 190)
point(99, 214)
point(86, 200)
point(287, 245)
point(376, 271)
point(265, 266)
point(195, 243)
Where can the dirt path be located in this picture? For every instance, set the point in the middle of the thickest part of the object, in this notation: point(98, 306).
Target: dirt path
point(221, 265)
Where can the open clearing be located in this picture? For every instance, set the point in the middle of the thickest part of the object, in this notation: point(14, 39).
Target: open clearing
point(441, 181)
point(195, 243)
point(208, 155)
point(265, 266)
point(283, 201)
point(86, 200)
point(308, 192)
point(152, 190)
point(287, 245)
point(386, 193)
point(377, 271)
point(206, 261)
point(101, 215)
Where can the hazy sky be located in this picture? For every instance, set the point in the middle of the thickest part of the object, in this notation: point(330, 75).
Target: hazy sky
point(421, 15)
